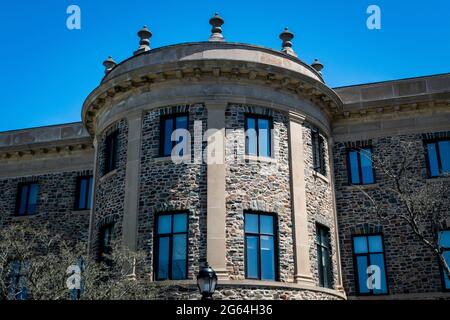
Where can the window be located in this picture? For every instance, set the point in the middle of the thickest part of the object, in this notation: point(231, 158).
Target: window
point(27, 198)
point(168, 126)
point(360, 166)
point(17, 289)
point(111, 152)
point(171, 246)
point(260, 244)
point(84, 193)
point(105, 242)
point(258, 141)
point(318, 151)
point(444, 242)
point(324, 256)
point(438, 154)
point(370, 270)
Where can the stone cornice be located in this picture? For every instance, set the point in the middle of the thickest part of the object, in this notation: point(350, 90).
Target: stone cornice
point(146, 78)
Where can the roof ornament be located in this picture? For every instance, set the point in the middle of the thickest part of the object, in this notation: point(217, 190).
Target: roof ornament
point(286, 36)
point(217, 22)
point(109, 64)
point(317, 65)
point(144, 44)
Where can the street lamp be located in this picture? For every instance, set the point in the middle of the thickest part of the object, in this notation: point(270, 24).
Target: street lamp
point(207, 282)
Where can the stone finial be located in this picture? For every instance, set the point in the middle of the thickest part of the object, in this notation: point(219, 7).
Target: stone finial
point(317, 65)
point(109, 64)
point(216, 22)
point(286, 36)
point(144, 44)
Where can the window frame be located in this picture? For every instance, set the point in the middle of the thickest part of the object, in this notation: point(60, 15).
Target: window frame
point(20, 187)
point(78, 192)
point(101, 245)
point(320, 153)
point(271, 127)
point(443, 275)
point(170, 235)
point(355, 264)
point(162, 130)
point(438, 156)
point(349, 166)
point(276, 245)
point(111, 156)
point(329, 275)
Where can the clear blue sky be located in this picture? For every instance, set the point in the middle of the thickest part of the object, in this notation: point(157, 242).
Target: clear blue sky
point(47, 71)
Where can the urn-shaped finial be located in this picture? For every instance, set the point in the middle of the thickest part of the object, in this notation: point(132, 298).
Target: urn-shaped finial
point(109, 64)
point(144, 44)
point(216, 32)
point(286, 36)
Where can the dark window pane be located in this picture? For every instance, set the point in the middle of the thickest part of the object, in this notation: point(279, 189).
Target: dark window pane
point(444, 149)
point(251, 223)
point(33, 198)
point(168, 130)
point(252, 257)
point(182, 122)
point(264, 138)
point(378, 261)
point(366, 166)
point(252, 147)
point(267, 258)
point(179, 223)
point(163, 258)
point(23, 199)
point(433, 160)
point(83, 191)
point(89, 193)
point(165, 224)
point(353, 157)
point(361, 262)
point(375, 244)
point(266, 224)
point(181, 136)
point(444, 239)
point(360, 245)
point(179, 257)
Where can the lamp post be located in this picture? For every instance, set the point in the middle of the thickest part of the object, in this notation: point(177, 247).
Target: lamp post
point(207, 282)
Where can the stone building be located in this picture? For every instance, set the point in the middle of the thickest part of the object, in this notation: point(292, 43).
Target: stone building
point(267, 198)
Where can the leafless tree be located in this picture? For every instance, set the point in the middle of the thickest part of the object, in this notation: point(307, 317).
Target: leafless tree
point(34, 265)
point(422, 204)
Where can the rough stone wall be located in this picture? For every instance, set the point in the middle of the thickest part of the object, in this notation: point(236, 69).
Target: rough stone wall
point(166, 187)
point(110, 188)
point(411, 267)
point(55, 206)
point(258, 186)
point(319, 204)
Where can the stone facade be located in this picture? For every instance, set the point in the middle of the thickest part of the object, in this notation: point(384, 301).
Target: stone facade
point(217, 84)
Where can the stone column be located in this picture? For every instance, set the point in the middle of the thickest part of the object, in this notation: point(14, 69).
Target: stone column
point(131, 202)
point(95, 177)
point(298, 193)
point(216, 203)
point(339, 285)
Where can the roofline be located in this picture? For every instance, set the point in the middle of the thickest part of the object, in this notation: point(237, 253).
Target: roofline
point(394, 80)
point(42, 127)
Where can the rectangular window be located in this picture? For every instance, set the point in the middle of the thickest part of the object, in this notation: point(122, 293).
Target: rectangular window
point(258, 136)
point(370, 269)
point(84, 193)
point(324, 256)
point(438, 154)
point(444, 242)
point(27, 198)
point(169, 125)
point(111, 152)
point(360, 166)
point(17, 289)
point(105, 242)
point(260, 244)
point(318, 151)
point(171, 246)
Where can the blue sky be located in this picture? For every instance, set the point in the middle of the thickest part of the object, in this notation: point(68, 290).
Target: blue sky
point(47, 71)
